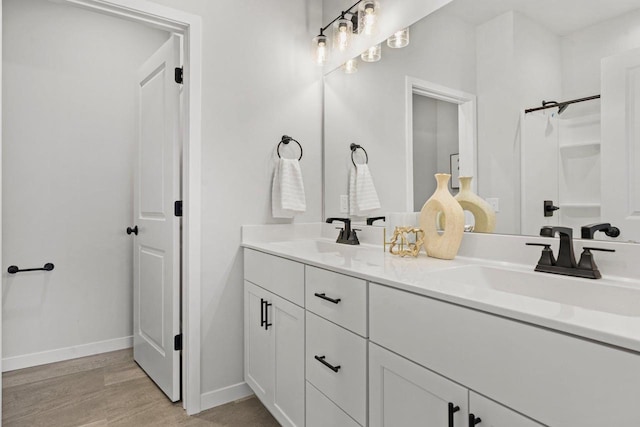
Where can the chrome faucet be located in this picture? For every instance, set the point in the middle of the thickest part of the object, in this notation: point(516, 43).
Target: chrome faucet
point(566, 263)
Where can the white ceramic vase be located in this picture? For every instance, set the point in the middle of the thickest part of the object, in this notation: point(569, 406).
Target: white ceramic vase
point(443, 245)
point(483, 213)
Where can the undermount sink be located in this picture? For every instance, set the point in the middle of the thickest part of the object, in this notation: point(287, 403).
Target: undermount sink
point(589, 294)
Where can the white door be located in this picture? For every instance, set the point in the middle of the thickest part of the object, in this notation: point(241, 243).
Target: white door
point(156, 265)
point(402, 393)
point(620, 146)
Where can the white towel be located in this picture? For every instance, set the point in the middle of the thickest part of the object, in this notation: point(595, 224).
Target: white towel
point(362, 193)
point(287, 192)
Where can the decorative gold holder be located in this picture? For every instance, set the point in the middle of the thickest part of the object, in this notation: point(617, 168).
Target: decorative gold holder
point(400, 244)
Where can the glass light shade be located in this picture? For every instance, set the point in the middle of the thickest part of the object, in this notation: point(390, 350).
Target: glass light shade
point(320, 49)
point(342, 31)
point(399, 39)
point(351, 66)
point(368, 13)
point(373, 54)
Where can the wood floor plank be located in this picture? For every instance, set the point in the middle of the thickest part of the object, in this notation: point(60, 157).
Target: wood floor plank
point(70, 400)
point(108, 390)
point(53, 370)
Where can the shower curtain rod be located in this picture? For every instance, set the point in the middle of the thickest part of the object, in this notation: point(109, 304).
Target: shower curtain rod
point(553, 104)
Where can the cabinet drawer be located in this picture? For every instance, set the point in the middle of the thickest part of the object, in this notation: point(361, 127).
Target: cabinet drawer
point(338, 347)
point(554, 378)
point(351, 309)
point(278, 275)
point(322, 412)
point(495, 415)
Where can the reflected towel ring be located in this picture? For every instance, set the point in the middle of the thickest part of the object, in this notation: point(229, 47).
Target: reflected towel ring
point(354, 147)
point(285, 140)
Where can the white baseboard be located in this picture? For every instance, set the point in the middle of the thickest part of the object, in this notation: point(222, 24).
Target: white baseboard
point(224, 395)
point(58, 355)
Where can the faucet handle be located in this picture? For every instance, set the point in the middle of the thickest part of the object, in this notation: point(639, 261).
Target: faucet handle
point(546, 258)
point(598, 249)
point(588, 263)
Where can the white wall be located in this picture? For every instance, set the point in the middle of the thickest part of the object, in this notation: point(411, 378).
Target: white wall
point(258, 84)
point(369, 107)
point(518, 63)
point(68, 139)
point(583, 51)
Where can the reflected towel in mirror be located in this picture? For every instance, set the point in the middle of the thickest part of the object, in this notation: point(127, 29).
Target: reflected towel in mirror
point(287, 192)
point(363, 196)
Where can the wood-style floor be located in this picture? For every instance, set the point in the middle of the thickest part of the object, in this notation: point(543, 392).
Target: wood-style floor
point(108, 390)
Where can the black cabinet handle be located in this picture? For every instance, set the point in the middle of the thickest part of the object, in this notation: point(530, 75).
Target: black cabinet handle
point(133, 230)
point(327, 364)
point(326, 298)
point(262, 321)
point(473, 420)
point(13, 269)
point(452, 410)
point(266, 315)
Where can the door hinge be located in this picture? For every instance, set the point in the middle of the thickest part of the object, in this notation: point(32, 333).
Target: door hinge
point(179, 75)
point(177, 342)
point(177, 208)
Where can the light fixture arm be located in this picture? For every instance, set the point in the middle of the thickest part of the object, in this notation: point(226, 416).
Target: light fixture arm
point(323, 29)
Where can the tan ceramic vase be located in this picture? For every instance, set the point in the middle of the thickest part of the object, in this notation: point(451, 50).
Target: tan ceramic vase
point(485, 216)
point(445, 245)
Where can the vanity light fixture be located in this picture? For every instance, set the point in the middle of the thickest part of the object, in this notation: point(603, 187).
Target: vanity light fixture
point(364, 20)
point(373, 54)
point(399, 39)
point(320, 49)
point(342, 31)
point(368, 17)
point(351, 66)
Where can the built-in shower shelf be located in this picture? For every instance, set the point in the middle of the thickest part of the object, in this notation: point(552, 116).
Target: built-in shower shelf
point(585, 144)
point(580, 205)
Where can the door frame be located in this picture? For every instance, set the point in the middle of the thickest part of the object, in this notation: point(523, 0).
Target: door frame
point(467, 129)
point(190, 27)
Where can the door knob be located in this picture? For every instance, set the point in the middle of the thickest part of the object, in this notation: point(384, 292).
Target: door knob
point(133, 230)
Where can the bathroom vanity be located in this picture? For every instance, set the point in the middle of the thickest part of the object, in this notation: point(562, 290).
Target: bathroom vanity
point(347, 336)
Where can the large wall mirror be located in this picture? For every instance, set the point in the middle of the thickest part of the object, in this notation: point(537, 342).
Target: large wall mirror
point(457, 100)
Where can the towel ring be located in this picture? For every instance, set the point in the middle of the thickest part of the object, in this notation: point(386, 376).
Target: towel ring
point(354, 147)
point(285, 140)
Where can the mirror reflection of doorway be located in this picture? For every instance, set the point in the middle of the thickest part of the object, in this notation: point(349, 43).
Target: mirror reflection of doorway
point(435, 140)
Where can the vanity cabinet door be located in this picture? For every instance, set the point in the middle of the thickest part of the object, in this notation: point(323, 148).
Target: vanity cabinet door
point(402, 393)
point(492, 414)
point(258, 345)
point(288, 347)
point(274, 353)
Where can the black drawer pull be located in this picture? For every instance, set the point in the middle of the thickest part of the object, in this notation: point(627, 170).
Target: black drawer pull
point(262, 321)
point(452, 410)
point(327, 364)
point(473, 420)
point(326, 298)
point(266, 315)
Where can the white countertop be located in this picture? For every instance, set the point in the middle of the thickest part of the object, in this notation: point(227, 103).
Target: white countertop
point(369, 262)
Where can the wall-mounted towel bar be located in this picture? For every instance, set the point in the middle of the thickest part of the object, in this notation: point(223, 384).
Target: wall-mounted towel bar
point(286, 140)
point(13, 269)
point(354, 147)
